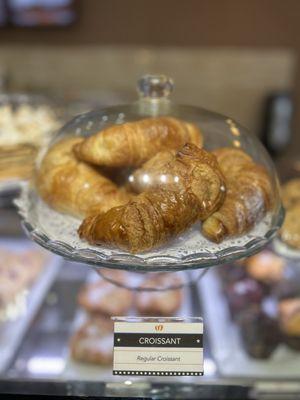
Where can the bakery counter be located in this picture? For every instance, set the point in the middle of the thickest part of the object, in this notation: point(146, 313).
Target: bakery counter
point(71, 335)
point(45, 362)
point(145, 390)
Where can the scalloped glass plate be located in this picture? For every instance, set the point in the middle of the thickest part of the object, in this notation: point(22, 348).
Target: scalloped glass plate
point(58, 233)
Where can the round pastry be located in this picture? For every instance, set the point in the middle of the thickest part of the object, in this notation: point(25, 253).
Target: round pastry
point(289, 316)
point(159, 303)
point(266, 267)
point(259, 332)
point(290, 231)
point(290, 192)
point(93, 342)
point(105, 298)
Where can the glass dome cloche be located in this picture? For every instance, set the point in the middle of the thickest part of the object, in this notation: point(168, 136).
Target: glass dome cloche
point(152, 186)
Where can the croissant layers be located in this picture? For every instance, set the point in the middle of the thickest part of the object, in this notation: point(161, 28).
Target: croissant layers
point(73, 187)
point(162, 212)
point(249, 196)
point(133, 143)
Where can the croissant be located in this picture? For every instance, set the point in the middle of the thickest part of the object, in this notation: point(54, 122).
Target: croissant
point(160, 213)
point(249, 196)
point(152, 173)
point(73, 187)
point(133, 143)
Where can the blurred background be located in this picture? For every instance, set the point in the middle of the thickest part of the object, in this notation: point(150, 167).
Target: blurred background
point(229, 56)
point(236, 57)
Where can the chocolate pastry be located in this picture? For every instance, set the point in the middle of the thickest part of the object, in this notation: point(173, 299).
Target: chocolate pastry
point(259, 333)
point(242, 294)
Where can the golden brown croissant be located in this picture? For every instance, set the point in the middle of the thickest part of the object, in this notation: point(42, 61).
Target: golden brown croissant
point(248, 197)
point(152, 173)
point(160, 213)
point(133, 143)
point(73, 187)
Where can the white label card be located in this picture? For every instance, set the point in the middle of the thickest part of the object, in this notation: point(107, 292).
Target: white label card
point(158, 348)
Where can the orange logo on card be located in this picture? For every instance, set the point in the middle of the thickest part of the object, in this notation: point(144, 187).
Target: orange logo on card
point(159, 328)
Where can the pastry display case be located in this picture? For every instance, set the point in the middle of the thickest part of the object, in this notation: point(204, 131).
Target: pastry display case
point(173, 191)
point(158, 187)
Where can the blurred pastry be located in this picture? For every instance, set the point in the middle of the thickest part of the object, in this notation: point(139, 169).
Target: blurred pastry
point(232, 159)
point(287, 288)
point(259, 333)
point(73, 187)
point(243, 293)
point(93, 342)
point(290, 230)
point(231, 273)
point(159, 303)
point(289, 316)
point(18, 270)
point(104, 298)
point(249, 196)
point(266, 267)
point(293, 342)
point(133, 143)
point(26, 124)
point(290, 192)
point(155, 216)
point(117, 276)
point(33, 261)
point(17, 162)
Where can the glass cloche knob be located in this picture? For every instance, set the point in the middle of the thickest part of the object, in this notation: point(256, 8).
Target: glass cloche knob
point(155, 86)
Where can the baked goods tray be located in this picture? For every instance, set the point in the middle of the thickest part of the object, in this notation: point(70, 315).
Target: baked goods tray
point(75, 370)
point(58, 233)
point(226, 346)
point(12, 332)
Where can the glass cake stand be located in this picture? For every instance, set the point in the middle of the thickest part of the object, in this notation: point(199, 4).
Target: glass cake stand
point(190, 251)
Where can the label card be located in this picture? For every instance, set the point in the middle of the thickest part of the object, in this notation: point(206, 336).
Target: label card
point(158, 348)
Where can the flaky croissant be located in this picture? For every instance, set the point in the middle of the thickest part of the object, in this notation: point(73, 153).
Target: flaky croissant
point(73, 187)
point(152, 173)
point(249, 196)
point(133, 143)
point(160, 213)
